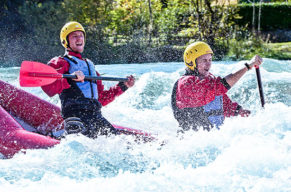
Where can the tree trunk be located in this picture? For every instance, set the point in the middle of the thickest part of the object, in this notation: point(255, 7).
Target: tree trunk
point(259, 18)
point(198, 15)
point(150, 27)
point(210, 35)
point(254, 15)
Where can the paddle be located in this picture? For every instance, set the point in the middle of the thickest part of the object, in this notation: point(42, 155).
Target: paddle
point(260, 86)
point(35, 74)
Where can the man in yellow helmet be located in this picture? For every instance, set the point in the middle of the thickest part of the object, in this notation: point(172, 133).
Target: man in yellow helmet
point(82, 100)
point(199, 98)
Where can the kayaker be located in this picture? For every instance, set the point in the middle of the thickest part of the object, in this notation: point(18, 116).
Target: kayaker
point(199, 99)
point(81, 101)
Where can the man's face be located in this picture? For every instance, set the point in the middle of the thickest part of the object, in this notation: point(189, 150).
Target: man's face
point(204, 64)
point(77, 41)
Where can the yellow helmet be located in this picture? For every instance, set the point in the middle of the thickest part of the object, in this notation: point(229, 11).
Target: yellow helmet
point(193, 51)
point(69, 28)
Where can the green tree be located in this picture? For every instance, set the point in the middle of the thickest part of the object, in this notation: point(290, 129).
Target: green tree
point(132, 18)
point(42, 22)
point(95, 16)
point(170, 20)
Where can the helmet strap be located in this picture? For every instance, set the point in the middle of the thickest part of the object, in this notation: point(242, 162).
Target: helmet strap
point(68, 46)
point(191, 72)
point(196, 72)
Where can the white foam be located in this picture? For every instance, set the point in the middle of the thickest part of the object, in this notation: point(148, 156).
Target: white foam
point(246, 154)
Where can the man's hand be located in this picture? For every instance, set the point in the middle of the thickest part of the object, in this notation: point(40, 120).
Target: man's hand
point(244, 112)
point(80, 76)
point(130, 82)
point(256, 61)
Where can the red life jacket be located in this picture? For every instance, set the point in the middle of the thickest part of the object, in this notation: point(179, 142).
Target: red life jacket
point(200, 102)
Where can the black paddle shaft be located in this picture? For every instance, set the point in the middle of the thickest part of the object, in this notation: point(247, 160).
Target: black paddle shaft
point(96, 78)
point(260, 86)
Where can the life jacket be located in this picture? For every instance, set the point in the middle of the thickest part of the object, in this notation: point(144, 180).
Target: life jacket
point(207, 116)
point(80, 95)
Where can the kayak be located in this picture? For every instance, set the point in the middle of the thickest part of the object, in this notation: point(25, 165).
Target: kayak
point(26, 120)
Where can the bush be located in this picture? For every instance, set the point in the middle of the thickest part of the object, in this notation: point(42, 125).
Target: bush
point(273, 15)
point(246, 49)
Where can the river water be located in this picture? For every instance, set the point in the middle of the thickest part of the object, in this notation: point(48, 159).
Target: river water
point(246, 154)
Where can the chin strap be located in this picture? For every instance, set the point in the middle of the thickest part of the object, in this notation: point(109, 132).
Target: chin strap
point(190, 72)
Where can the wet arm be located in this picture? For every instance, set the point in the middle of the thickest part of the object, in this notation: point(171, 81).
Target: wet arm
point(107, 96)
point(231, 79)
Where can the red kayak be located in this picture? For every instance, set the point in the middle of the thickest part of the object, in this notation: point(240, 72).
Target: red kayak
point(19, 108)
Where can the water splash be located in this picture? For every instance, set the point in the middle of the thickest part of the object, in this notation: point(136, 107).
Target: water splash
point(247, 154)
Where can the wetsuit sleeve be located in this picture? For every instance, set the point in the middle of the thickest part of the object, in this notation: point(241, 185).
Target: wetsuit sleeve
point(107, 96)
point(61, 66)
point(230, 108)
point(193, 92)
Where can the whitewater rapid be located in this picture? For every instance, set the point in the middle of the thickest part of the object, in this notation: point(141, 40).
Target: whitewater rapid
point(246, 154)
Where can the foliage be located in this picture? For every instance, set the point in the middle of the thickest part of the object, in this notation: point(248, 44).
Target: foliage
point(274, 15)
point(41, 33)
point(125, 31)
point(128, 16)
point(244, 48)
point(279, 50)
point(264, 1)
point(247, 48)
point(170, 20)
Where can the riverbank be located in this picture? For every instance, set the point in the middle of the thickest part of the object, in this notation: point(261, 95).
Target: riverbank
point(132, 54)
point(235, 50)
point(280, 51)
point(241, 50)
